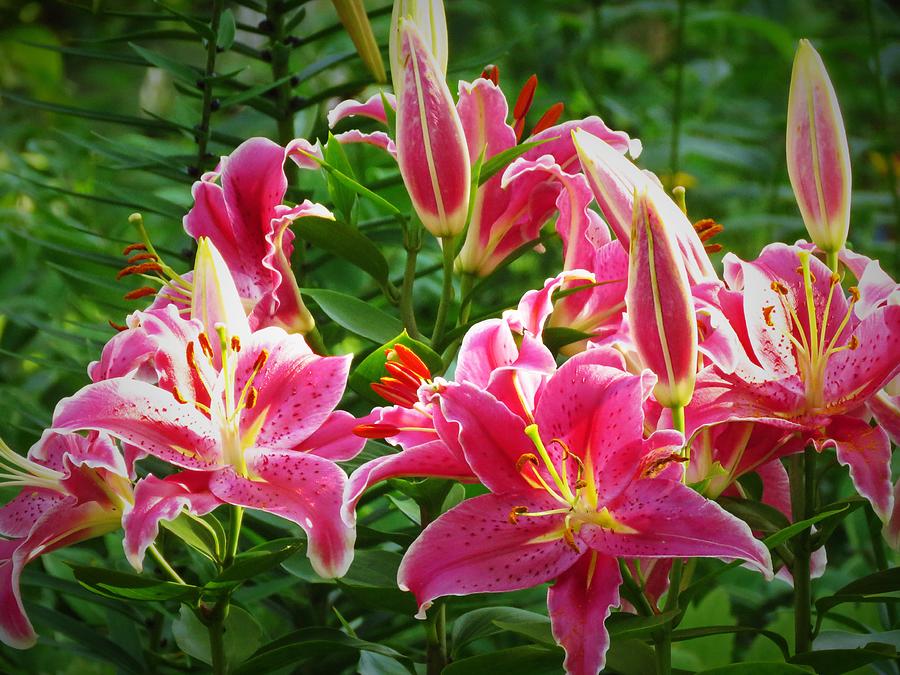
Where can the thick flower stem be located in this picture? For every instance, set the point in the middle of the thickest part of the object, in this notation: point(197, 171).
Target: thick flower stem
point(662, 646)
point(436, 648)
point(465, 295)
point(217, 646)
point(831, 258)
point(215, 621)
point(412, 242)
point(449, 253)
point(203, 130)
point(234, 534)
point(802, 495)
point(881, 560)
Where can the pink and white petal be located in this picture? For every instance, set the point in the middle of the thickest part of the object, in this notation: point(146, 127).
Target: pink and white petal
point(124, 354)
point(297, 390)
point(335, 439)
point(492, 437)
point(304, 154)
point(483, 110)
point(158, 499)
point(19, 515)
point(474, 548)
point(664, 518)
point(413, 426)
point(558, 141)
point(16, 630)
point(892, 527)
point(579, 603)
point(373, 108)
point(145, 416)
point(299, 487)
point(432, 460)
point(866, 452)
point(486, 346)
point(537, 305)
point(853, 376)
point(377, 138)
point(886, 410)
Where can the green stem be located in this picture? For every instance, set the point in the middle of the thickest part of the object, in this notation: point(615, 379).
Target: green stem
point(216, 631)
point(315, 342)
point(449, 253)
point(881, 561)
point(280, 54)
point(164, 565)
point(831, 259)
point(662, 646)
point(678, 93)
point(412, 242)
point(465, 294)
point(436, 648)
point(802, 477)
point(678, 417)
point(215, 622)
point(209, 71)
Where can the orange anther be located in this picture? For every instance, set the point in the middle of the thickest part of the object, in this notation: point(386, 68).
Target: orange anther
point(143, 268)
point(134, 247)
point(252, 397)
point(549, 118)
point(515, 513)
point(854, 294)
point(779, 287)
point(854, 343)
point(141, 292)
point(376, 430)
point(527, 458)
point(137, 257)
point(117, 326)
point(235, 343)
point(205, 346)
point(767, 314)
point(526, 98)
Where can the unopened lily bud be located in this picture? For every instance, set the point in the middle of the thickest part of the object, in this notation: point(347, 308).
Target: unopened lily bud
point(352, 14)
point(660, 310)
point(430, 19)
point(431, 146)
point(215, 299)
point(818, 158)
point(614, 180)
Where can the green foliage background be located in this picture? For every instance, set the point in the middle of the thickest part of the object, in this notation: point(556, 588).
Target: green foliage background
point(94, 127)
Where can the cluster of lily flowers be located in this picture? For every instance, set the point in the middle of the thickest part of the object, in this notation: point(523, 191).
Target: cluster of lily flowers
point(605, 465)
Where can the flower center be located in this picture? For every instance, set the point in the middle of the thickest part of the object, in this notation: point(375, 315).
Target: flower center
point(811, 347)
point(578, 497)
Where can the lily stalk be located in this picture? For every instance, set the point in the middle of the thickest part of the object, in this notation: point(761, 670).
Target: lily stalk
point(818, 157)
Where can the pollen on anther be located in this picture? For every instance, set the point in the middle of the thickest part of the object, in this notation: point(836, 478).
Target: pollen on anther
point(178, 396)
point(854, 294)
point(767, 314)
point(515, 513)
point(261, 360)
point(138, 246)
point(235, 343)
point(205, 345)
point(854, 343)
point(138, 293)
point(779, 287)
point(527, 458)
point(252, 397)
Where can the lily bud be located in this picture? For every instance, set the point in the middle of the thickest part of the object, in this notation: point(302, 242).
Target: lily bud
point(660, 310)
point(614, 180)
point(215, 299)
point(430, 19)
point(818, 158)
point(352, 14)
point(431, 146)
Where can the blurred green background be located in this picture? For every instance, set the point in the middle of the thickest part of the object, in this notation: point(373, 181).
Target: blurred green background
point(92, 130)
point(100, 108)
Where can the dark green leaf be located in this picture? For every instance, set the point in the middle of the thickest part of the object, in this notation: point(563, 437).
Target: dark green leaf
point(626, 626)
point(557, 337)
point(756, 668)
point(342, 196)
point(839, 661)
point(486, 621)
point(242, 635)
point(531, 660)
point(202, 534)
point(123, 585)
point(706, 631)
point(227, 29)
point(355, 315)
point(757, 515)
point(176, 68)
point(348, 243)
point(255, 561)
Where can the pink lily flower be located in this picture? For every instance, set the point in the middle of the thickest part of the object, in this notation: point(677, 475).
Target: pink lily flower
point(615, 179)
point(574, 486)
point(239, 208)
point(502, 356)
point(811, 363)
point(431, 147)
point(73, 488)
point(247, 415)
point(431, 20)
point(660, 308)
point(818, 158)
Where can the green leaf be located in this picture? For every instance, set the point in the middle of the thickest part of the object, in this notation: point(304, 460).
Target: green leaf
point(622, 625)
point(839, 661)
point(757, 515)
point(176, 68)
point(878, 587)
point(536, 629)
point(227, 29)
point(255, 561)
point(486, 621)
point(371, 369)
point(126, 586)
point(87, 640)
point(205, 535)
point(355, 315)
point(242, 635)
point(347, 242)
point(706, 631)
point(253, 92)
point(201, 28)
point(499, 161)
point(342, 196)
point(308, 643)
point(358, 188)
point(531, 660)
point(757, 667)
point(557, 337)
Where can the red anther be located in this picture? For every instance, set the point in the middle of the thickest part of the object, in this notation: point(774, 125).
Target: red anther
point(707, 228)
point(411, 360)
point(492, 73)
point(141, 292)
point(134, 247)
point(526, 98)
point(191, 358)
point(391, 390)
point(116, 326)
point(178, 396)
point(205, 346)
point(235, 343)
point(549, 118)
point(515, 513)
point(767, 314)
point(779, 287)
point(137, 257)
point(712, 248)
point(653, 464)
point(376, 430)
point(139, 269)
point(252, 397)
point(260, 360)
point(403, 374)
